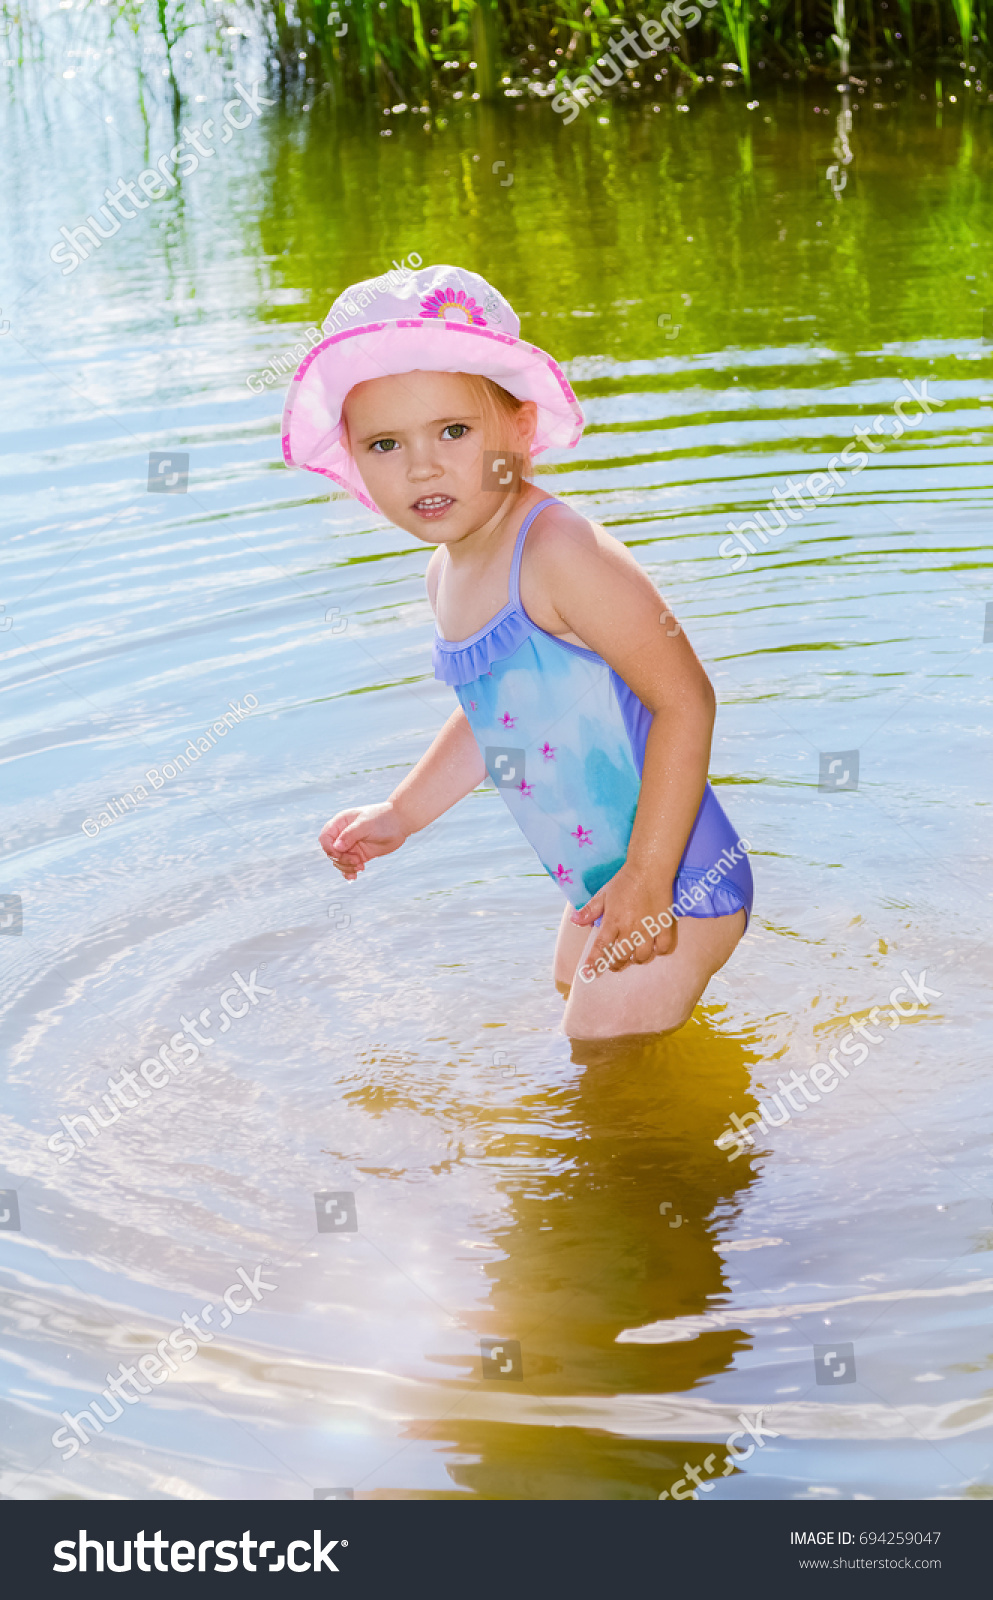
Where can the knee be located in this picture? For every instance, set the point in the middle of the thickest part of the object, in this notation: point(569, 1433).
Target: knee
point(678, 1017)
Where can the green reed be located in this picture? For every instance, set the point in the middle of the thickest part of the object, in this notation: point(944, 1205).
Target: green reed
point(413, 51)
point(405, 48)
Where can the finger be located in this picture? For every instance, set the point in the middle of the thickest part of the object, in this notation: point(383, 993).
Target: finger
point(607, 946)
point(349, 837)
point(356, 854)
point(332, 831)
point(348, 864)
point(644, 952)
point(596, 960)
point(666, 941)
point(598, 950)
point(357, 851)
point(591, 910)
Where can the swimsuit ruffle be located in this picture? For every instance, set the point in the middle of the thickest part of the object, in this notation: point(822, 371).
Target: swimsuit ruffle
point(458, 664)
point(702, 899)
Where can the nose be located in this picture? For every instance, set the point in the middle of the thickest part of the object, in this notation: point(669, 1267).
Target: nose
point(422, 466)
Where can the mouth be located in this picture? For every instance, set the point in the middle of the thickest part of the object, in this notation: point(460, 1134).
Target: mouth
point(432, 506)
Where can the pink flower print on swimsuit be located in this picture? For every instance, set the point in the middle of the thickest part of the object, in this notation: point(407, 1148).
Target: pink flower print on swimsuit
point(575, 788)
point(452, 306)
point(579, 735)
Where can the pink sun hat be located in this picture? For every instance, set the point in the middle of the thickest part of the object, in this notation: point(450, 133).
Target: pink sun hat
point(439, 319)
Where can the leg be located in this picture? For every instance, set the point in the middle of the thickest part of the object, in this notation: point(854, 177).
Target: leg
point(659, 996)
point(569, 947)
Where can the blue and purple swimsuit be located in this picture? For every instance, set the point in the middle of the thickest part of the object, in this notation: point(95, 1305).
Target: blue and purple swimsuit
point(563, 738)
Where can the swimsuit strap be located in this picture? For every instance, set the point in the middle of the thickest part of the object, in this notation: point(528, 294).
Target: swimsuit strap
point(515, 565)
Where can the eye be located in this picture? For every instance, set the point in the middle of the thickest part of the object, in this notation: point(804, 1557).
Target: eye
point(384, 446)
point(455, 430)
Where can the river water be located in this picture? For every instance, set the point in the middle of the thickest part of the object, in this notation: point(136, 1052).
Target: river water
point(830, 1283)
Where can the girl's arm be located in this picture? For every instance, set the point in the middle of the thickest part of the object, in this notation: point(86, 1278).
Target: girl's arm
point(449, 769)
point(602, 596)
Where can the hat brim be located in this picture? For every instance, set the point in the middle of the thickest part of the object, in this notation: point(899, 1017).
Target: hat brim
point(312, 432)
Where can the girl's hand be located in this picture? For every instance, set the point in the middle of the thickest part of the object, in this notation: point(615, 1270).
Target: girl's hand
point(624, 903)
point(354, 837)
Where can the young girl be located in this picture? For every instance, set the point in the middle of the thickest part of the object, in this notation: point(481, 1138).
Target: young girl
point(578, 693)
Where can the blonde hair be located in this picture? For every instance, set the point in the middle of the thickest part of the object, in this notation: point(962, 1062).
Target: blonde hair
point(498, 406)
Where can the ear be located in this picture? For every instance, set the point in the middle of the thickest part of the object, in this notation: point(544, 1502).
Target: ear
point(527, 424)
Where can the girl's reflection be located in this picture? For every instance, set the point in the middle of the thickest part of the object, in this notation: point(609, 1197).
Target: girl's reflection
point(616, 1215)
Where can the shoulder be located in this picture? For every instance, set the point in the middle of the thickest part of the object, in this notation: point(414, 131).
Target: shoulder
point(572, 570)
point(558, 534)
point(563, 542)
point(578, 576)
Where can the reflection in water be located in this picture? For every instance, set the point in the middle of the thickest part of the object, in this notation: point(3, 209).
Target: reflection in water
point(726, 324)
point(615, 1225)
point(837, 172)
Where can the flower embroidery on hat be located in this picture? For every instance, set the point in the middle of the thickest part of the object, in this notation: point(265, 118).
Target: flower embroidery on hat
point(453, 306)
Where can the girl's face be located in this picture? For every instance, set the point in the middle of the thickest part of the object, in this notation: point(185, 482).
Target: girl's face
point(418, 440)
